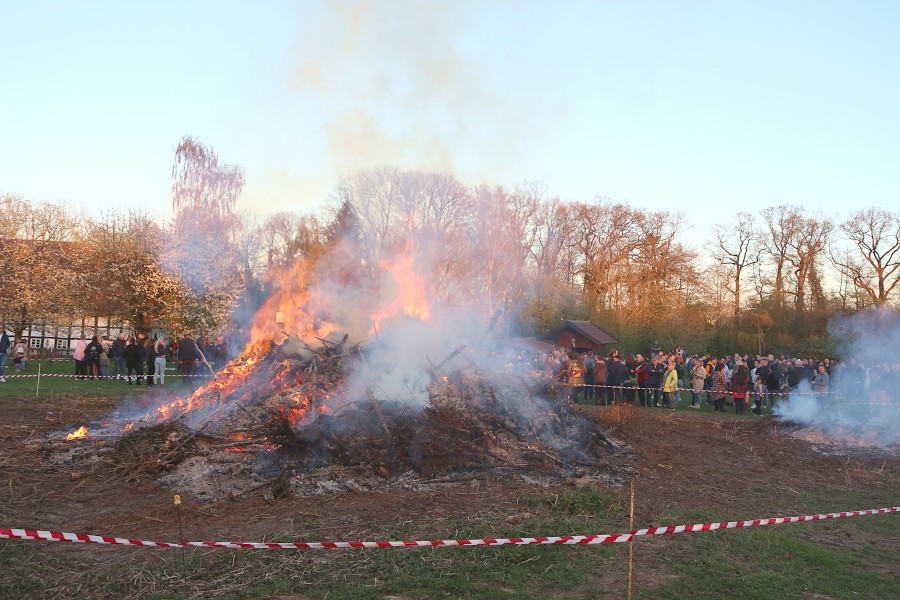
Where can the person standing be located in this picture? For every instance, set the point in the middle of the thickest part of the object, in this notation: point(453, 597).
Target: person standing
point(92, 353)
point(655, 373)
point(616, 374)
point(821, 385)
point(19, 356)
point(576, 377)
point(640, 375)
point(118, 357)
point(698, 379)
point(719, 387)
point(159, 362)
point(600, 380)
point(133, 354)
point(740, 385)
point(4, 352)
point(105, 347)
point(188, 354)
point(670, 384)
point(80, 356)
point(589, 364)
point(150, 359)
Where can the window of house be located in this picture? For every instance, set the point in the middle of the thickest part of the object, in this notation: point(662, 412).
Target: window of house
point(62, 344)
point(34, 343)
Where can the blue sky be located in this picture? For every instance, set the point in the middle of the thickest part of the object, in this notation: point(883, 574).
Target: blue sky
point(701, 107)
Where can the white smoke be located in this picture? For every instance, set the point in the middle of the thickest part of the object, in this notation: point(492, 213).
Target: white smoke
point(863, 406)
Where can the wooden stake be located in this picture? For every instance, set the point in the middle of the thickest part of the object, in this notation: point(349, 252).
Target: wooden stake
point(177, 500)
point(631, 543)
point(38, 388)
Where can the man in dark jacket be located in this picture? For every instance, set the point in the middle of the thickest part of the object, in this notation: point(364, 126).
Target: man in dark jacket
point(187, 356)
point(4, 352)
point(616, 375)
point(655, 372)
point(118, 357)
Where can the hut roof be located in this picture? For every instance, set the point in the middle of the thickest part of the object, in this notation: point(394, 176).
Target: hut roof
point(586, 329)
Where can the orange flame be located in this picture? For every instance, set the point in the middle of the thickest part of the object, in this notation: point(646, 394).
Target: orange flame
point(78, 433)
point(408, 287)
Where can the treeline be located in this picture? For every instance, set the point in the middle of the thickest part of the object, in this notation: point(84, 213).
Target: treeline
point(762, 282)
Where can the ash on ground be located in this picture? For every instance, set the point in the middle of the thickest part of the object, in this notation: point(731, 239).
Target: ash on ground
point(472, 428)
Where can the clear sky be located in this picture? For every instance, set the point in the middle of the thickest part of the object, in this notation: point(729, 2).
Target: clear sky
point(702, 107)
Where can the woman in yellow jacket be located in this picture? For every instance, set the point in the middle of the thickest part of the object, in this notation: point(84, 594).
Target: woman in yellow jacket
point(670, 384)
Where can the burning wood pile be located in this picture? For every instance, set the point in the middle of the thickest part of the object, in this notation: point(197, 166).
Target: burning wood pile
point(292, 421)
point(305, 407)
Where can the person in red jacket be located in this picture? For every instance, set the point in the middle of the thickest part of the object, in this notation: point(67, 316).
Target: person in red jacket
point(640, 374)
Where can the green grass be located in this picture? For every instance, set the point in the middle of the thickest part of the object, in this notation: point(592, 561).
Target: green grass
point(51, 386)
point(770, 563)
point(814, 559)
point(27, 570)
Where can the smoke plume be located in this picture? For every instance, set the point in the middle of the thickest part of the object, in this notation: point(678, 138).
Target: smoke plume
point(862, 407)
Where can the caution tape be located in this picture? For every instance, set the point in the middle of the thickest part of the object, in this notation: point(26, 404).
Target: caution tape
point(57, 536)
point(98, 377)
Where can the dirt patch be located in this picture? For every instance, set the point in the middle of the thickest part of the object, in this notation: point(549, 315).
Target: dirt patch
point(681, 462)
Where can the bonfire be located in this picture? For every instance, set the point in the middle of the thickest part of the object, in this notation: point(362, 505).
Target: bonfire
point(308, 407)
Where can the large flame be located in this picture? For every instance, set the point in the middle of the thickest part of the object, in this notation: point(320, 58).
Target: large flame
point(300, 311)
point(406, 288)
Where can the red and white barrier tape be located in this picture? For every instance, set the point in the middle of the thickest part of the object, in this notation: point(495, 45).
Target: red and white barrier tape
point(88, 377)
point(56, 536)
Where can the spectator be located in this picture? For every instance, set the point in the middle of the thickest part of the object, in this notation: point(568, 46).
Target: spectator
point(719, 387)
point(159, 362)
point(576, 377)
point(698, 379)
point(118, 356)
point(640, 375)
point(655, 373)
point(104, 357)
point(19, 356)
point(188, 355)
point(4, 352)
point(589, 364)
point(616, 374)
point(93, 352)
point(133, 353)
point(600, 381)
point(670, 384)
point(80, 356)
point(630, 367)
point(773, 382)
point(150, 359)
point(740, 383)
point(821, 384)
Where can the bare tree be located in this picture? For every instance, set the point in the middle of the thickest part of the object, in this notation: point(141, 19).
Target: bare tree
point(783, 224)
point(807, 246)
point(875, 267)
point(737, 249)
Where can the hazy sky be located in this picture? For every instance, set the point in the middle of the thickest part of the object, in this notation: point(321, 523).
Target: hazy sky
point(702, 107)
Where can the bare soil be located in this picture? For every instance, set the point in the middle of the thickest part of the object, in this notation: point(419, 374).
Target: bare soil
point(680, 461)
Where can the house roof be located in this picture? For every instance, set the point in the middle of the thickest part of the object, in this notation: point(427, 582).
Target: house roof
point(584, 328)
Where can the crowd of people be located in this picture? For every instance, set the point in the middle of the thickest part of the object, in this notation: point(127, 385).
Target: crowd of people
point(138, 358)
point(739, 381)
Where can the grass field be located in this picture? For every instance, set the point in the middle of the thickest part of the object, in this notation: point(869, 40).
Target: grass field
point(51, 384)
